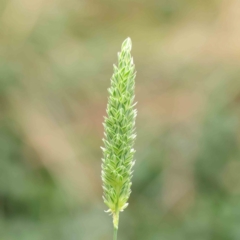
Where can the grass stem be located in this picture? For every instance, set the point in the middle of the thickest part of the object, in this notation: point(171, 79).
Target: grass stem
point(115, 234)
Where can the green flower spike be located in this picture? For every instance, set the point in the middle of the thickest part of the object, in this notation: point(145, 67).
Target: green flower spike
point(119, 126)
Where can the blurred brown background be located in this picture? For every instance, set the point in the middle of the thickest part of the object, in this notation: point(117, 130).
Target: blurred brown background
point(56, 60)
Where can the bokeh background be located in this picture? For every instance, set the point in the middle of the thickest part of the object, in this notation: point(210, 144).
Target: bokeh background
point(56, 61)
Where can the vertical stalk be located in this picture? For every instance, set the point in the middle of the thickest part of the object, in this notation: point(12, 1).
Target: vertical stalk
point(115, 224)
point(115, 233)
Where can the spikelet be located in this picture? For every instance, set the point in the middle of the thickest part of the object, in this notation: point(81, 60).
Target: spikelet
point(119, 126)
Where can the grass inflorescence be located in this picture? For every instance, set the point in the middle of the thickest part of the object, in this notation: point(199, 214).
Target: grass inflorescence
point(119, 135)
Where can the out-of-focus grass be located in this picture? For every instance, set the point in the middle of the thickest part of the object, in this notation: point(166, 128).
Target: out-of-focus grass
point(55, 64)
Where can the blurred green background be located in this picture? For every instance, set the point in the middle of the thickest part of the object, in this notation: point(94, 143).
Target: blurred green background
point(56, 61)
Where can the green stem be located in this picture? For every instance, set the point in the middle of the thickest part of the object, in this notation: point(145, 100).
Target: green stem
point(115, 224)
point(115, 234)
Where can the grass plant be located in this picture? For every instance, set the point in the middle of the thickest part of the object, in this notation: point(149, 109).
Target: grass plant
point(119, 135)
